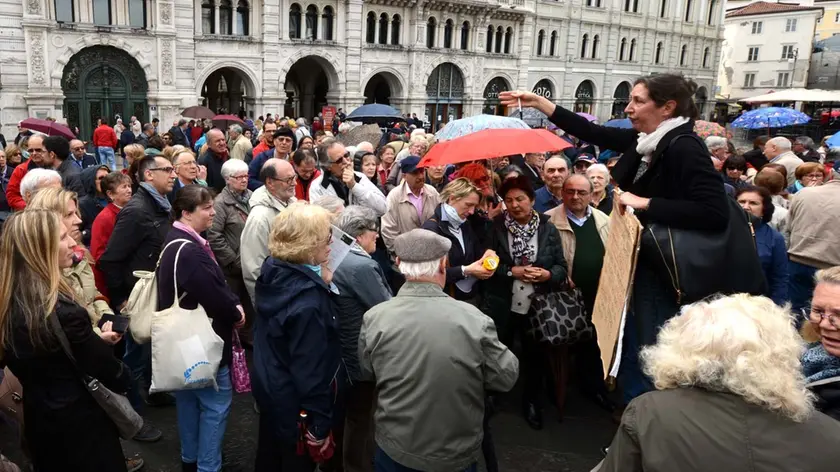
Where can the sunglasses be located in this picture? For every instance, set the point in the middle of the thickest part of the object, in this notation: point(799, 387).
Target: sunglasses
point(341, 158)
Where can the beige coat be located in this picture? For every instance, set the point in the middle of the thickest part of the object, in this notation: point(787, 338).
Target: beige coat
point(812, 227)
point(401, 216)
point(240, 147)
point(253, 248)
point(80, 278)
point(791, 162)
point(557, 217)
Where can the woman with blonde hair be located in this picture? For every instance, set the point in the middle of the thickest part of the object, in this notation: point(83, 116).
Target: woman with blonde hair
point(134, 153)
point(297, 350)
point(66, 429)
point(821, 362)
point(730, 395)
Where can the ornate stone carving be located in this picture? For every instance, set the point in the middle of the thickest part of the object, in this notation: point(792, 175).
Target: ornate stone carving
point(57, 40)
point(81, 63)
point(147, 46)
point(36, 58)
point(166, 61)
point(166, 13)
point(34, 7)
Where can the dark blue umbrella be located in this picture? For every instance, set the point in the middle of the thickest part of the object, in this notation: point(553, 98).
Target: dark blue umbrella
point(623, 123)
point(375, 113)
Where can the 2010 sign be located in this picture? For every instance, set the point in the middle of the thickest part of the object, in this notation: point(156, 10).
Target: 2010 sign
point(543, 92)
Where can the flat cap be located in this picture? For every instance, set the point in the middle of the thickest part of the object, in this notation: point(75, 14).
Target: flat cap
point(409, 164)
point(421, 245)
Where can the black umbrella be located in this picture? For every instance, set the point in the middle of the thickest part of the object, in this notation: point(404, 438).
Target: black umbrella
point(375, 113)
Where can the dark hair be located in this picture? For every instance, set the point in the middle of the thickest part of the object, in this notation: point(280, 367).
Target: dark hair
point(182, 122)
point(320, 133)
point(148, 162)
point(156, 142)
point(260, 118)
point(155, 120)
point(735, 162)
point(103, 120)
point(171, 136)
point(507, 170)
point(521, 183)
point(663, 88)
point(188, 198)
point(766, 200)
point(287, 132)
point(113, 180)
point(267, 172)
point(760, 141)
point(304, 138)
point(302, 155)
point(59, 145)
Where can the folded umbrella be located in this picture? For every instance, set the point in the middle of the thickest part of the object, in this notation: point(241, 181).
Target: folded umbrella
point(50, 128)
point(492, 143)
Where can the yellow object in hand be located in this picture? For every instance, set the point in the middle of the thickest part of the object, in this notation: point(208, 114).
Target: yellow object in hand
point(490, 263)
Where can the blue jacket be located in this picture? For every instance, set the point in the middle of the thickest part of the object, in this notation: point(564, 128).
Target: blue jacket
point(774, 261)
point(254, 168)
point(297, 351)
point(544, 200)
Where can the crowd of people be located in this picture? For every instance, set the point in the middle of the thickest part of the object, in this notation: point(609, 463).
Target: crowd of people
point(393, 359)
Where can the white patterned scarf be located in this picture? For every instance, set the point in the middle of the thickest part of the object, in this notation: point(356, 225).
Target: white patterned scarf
point(647, 143)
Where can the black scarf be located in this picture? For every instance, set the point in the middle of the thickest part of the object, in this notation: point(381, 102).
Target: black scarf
point(341, 189)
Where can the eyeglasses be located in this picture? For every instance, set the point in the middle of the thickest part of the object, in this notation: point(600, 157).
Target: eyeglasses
point(341, 158)
point(816, 316)
point(572, 192)
point(239, 177)
point(284, 139)
point(288, 180)
point(167, 170)
point(815, 176)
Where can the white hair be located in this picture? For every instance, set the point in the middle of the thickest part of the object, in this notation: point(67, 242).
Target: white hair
point(740, 344)
point(715, 142)
point(344, 127)
point(331, 203)
point(599, 168)
point(37, 178)
point(301, 122)
point(419, 132)
point(364, 146)
point(419, 270)
point(232, 167)
point(782, 144)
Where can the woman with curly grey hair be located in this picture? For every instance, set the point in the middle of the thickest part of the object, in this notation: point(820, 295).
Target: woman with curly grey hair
point(730, 395)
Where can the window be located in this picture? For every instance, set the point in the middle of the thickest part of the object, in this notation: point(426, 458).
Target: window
point(749, 80)
point(663, 8)
point(508, 39)
point(595, 40)
point(706, 58)
point(658, 57)
point(783, 79)
point(490, 30)
point(787, 52)
point(208, 17)
point(631, 5)
point(242, 17)
point(64, 11)
point(622, 49)
point(225, 17)
point(687, 10)
point(499, 33)
point(632, 50)
point(311, 22)
point(756, 27)
point(327, 19)
point(552, 46)
point(102, 12)
point(383, 28)
point(711, 17)
point(465, 35)
point(837, 17)
point(684, 55)
point(395, 29)
point(790, 25)
point(370, 33)
point(593, 3)
point(294, 21)
point(540, 40)
point(752, 55)
point(431, 25)
point(136, 13)
point(447, 34)
point(583, 44)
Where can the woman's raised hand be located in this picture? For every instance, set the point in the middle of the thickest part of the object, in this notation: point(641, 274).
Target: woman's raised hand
point(526, 99)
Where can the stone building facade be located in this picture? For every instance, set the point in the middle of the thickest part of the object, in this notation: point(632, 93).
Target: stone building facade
point(81, 59)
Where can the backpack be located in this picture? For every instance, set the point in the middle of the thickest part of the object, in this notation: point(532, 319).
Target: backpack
point(143, 301)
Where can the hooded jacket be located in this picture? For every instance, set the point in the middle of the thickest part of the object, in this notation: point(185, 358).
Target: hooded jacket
point(91, 203)
point(297, 351)
point(254, 242)
point(71, 176)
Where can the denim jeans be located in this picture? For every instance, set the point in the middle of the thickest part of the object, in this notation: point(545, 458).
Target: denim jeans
point(383, 463)
point(107, 157)
point(138, 358)
point(800, 287)
point(202, 419)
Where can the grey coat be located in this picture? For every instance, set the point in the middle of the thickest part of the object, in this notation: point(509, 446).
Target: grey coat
point(695, 430)
point(433, 358)
point(361, 285)
point(225, 234)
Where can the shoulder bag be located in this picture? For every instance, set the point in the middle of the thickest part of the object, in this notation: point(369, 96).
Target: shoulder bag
point(700, 263)
point(116, 406)
point(559, 317)
point(11, 396)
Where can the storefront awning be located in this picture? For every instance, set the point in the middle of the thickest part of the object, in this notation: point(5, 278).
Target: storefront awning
point(795, 95)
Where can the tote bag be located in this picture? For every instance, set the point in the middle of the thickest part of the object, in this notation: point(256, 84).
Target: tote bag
point(185, 350)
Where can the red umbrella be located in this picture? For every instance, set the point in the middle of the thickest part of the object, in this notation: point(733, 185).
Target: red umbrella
point(490, 143)
point(198, 112)
point(224, 121)
point(50, 128)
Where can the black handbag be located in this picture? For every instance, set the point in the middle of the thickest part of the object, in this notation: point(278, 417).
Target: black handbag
point(559, 317)
point(702, 263)
point(116, 406)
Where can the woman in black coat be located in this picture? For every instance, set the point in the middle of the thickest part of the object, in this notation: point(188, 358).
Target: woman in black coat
point(65, 428)
point(665, 175)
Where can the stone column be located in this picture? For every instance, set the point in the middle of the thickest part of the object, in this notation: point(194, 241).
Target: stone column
point(218, 26)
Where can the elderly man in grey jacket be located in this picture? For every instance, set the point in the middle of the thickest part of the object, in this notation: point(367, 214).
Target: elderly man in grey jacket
point(432, 358)
point(361, 285)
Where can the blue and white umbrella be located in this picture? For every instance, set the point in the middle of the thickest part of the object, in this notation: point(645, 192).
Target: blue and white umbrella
point(531, 116)
point(833, 141)
point(464, 126)
point(770, 117)
point(623, 123)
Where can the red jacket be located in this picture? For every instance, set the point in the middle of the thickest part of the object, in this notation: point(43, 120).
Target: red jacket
point(302, 190)
point(260, 148)
point(104, 136)
point(100, 233)
point(13, 195)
